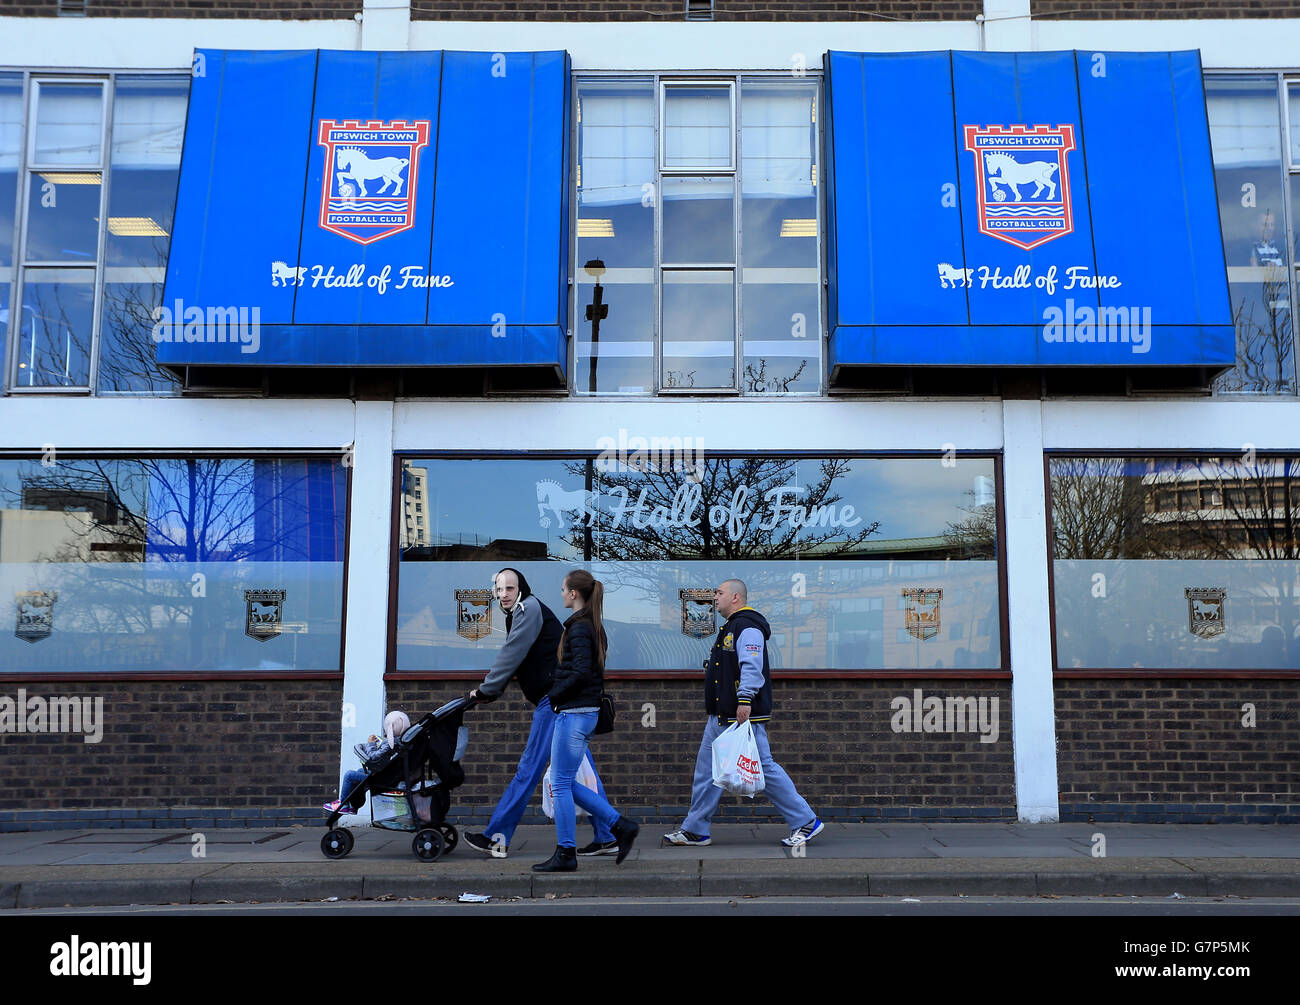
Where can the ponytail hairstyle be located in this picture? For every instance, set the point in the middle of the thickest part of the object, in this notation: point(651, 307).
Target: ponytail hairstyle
point(592, 591)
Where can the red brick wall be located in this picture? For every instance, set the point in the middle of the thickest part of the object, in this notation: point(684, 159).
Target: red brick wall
point(178, 743)
point(833, 737)
point(1114, 10)
point(523, 10)
point(1162, 748)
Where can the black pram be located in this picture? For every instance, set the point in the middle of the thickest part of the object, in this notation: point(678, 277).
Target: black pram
point(420, 768)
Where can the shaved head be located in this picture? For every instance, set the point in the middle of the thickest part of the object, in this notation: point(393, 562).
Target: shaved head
point(730, 597)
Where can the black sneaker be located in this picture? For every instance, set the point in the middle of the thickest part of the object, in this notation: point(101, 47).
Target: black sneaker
point(481, 842)
point(625, 832)
point(600, 848)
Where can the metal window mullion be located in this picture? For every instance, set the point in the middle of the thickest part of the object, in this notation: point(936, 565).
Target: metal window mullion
point(15, 285)
point(823, 288)
point(106, 159)
point(738, 325)
point(657, 241)
point(1291, 170)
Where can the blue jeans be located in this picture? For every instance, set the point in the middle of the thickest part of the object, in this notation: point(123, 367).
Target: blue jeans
point(776, 784)
point(567, 747)
point(349, 780)
point(532, 765)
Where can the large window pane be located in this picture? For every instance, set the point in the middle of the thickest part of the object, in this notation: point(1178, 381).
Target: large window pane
point(899, 556)
point(1246, 134)
point(57, 314)
point(190, 564)
point(781, 292)
point(614, 350)
point(1177, 563)
point(63, 216)
point(148, 125)
point(11, 125)
point(699, 330)
point(699, 221)
point(697, 127)
point(69, 124)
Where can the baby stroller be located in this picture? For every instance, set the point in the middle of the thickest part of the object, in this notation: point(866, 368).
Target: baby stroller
point(420, 770)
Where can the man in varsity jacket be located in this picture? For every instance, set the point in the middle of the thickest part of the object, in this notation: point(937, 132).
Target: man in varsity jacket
point(738, 688)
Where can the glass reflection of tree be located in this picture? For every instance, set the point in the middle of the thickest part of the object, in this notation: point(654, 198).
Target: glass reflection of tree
point(128, 362)
point(190, 511)
point(759, 382)
point(57, 352)
point(977, 536)
point(1264, 344)
point(1099, 512)
point(721, 478)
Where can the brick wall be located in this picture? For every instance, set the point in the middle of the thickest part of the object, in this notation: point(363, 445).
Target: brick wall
point(296, 10)
point(832, 737)
point(238, 744)
point(1114, 10)
point(1177, 751)
point(521, 10)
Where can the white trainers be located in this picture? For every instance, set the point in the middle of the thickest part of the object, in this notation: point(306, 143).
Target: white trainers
point(680, 837)
point(804, 834)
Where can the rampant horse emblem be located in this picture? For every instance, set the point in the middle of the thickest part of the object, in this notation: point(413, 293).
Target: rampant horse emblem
point(552, 496)
point(1008, 161)
point(473, 624)
point(264, 613)
point(35, 614)
point(368, 187)
point(922, 615)
point(1205, 610)
point(698, 620)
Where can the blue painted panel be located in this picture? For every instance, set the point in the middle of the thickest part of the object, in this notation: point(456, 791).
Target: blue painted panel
point(392, 100)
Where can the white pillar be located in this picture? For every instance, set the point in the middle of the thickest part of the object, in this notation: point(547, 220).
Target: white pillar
point(1007, 27)
point(386, 24)
point(1030, 614)
point(369, 530)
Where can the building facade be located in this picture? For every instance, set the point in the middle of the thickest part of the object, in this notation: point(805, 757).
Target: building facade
point(317, 315)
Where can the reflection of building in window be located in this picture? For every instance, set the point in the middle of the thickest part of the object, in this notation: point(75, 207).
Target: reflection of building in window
point(415, 485)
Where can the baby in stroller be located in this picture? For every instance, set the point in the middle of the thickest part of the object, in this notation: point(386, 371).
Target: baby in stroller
point(395, 724)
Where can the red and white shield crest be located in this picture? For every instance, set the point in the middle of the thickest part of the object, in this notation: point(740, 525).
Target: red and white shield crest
point(368, 186)
point(1024, 181)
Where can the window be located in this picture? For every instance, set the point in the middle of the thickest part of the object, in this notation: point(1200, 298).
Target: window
point(96, 161)
point(697, 236)
point(654, 536)
point(1246, 135)
point(1199, 588)
point(194, 564)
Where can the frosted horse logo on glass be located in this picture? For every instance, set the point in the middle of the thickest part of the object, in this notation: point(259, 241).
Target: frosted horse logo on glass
point(1024, 182)
point(368, 186)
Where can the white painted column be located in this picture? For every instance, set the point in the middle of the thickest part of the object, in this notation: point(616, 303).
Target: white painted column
point(370, 527)
point(1007, 26)
point(386, 24)
point(1032, 699)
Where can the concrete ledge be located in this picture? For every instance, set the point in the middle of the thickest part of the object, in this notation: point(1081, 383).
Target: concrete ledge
point(103, 892)
point(8, 895)
point(376, 887)
point(1252, 885)
point(1132, 884)
point(950, 885)
point(274, 888)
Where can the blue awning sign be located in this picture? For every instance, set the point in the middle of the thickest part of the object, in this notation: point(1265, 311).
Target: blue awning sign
point(1023, 156)
point(385, 155)
point(1012, 209)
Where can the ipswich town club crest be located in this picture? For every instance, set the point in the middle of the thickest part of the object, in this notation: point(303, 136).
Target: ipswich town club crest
point(1205, 613)
point(922, 613)
point(698, 620)
point(35, 614)
point(473, 614)
point(369, 182)
point(1024, 191)
point(264, 613)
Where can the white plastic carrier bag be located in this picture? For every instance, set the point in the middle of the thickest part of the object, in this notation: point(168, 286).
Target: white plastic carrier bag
point(736, 766)
point(586, 776)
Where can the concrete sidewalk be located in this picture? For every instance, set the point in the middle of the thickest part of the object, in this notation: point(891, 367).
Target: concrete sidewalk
point(113, 867)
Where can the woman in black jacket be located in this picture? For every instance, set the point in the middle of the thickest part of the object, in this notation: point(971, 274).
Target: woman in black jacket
point(575, 699)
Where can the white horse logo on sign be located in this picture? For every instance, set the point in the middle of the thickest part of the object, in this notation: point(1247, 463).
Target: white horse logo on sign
point(369, 180)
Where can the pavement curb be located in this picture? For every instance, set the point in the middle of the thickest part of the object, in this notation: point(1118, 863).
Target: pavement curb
point(678, 883)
